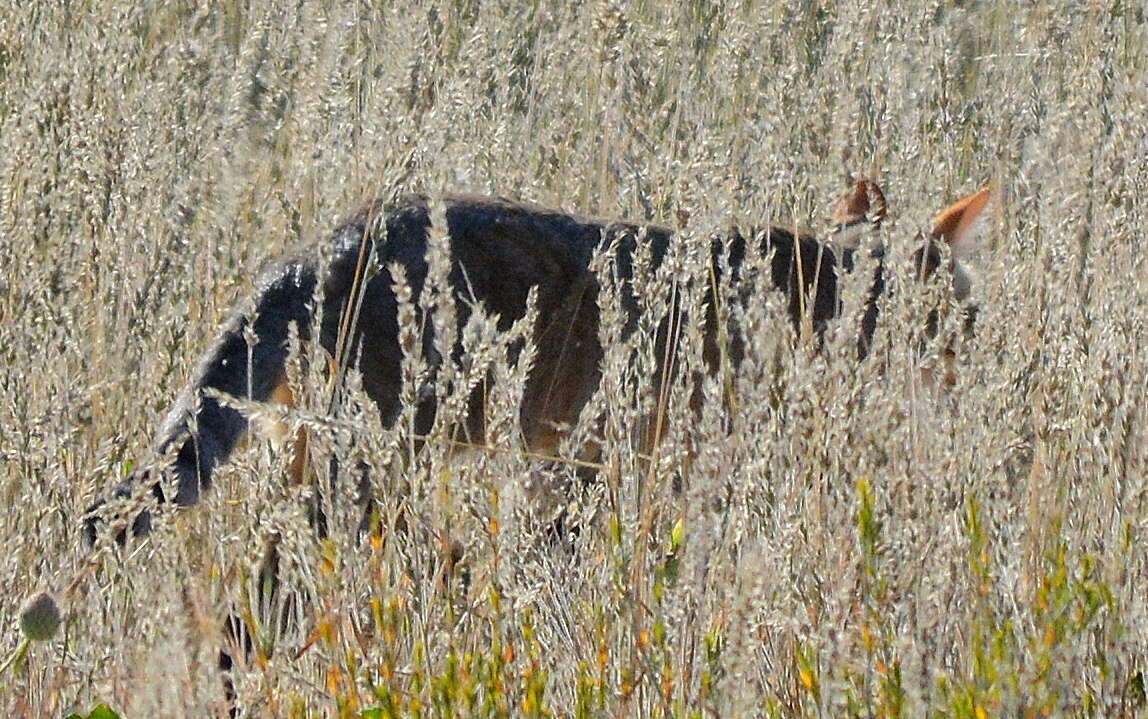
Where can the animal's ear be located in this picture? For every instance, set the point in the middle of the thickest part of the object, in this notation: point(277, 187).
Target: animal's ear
point(963, 223)
point(860, 210)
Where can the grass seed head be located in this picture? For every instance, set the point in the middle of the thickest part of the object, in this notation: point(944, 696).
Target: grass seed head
point(40, 617)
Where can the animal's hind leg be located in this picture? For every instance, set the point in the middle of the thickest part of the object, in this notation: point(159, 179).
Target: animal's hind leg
point(268, 609)
point(239, 640)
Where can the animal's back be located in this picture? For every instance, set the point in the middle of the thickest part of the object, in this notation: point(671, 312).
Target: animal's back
point(499, 251)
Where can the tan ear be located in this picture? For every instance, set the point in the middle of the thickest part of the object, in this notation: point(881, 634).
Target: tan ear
point(961, 224)
point(862, 209)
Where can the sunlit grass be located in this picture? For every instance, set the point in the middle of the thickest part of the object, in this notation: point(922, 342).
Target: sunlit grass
point(843, 542)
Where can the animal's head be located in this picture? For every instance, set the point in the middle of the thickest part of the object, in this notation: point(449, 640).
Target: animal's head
point(860, 211)
point(959, 228)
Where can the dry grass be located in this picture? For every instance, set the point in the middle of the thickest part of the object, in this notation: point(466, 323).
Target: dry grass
point(853, 546)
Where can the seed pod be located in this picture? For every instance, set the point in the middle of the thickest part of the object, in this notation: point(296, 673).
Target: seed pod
point(40, 617)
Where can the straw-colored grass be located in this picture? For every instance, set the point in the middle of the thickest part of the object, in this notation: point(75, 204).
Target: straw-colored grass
point(848, 543)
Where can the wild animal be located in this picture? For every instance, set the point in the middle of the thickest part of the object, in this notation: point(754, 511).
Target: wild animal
point(500, 253)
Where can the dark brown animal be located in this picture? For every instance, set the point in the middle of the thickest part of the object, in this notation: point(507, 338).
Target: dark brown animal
point(499, 252)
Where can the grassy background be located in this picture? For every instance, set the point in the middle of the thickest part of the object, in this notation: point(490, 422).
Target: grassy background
point(851, 547)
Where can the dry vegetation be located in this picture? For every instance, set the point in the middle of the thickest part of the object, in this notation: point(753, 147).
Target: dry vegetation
point(853, 544)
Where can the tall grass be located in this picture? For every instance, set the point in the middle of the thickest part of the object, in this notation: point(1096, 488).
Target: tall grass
point(844, 543)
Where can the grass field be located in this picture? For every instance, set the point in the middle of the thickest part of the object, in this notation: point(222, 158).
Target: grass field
point(849, 542)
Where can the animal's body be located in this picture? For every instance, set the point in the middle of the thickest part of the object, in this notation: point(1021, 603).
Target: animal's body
point(499, 252)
